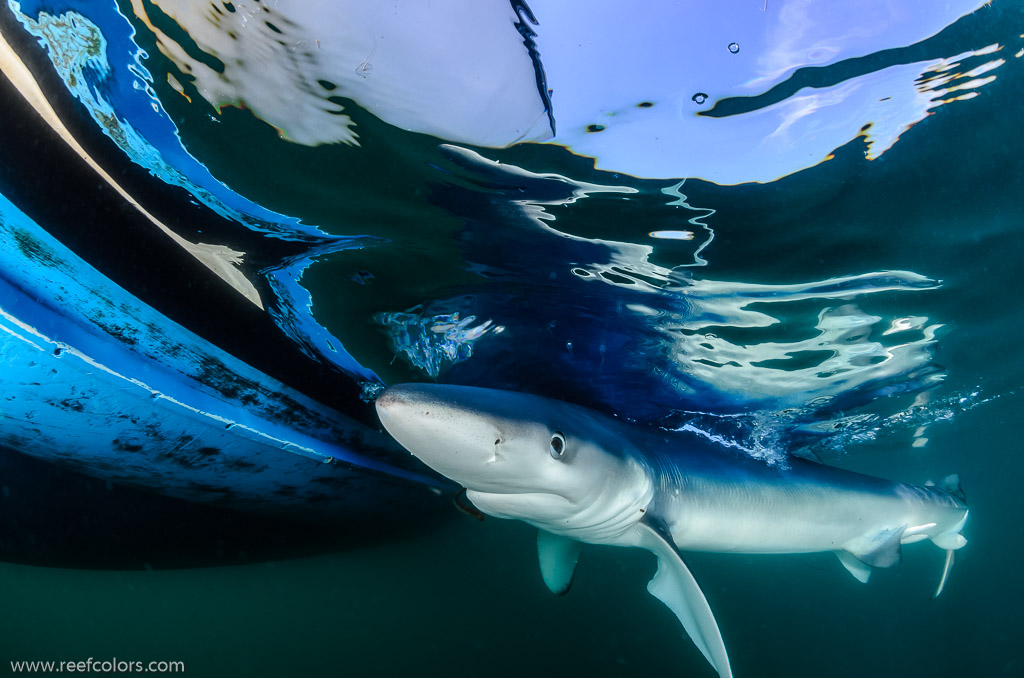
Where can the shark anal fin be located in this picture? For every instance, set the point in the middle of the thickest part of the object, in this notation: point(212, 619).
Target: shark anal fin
point(674, 585)
point(558, 557)
point(860, 571)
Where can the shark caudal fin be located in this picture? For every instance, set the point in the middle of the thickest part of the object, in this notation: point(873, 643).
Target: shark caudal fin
point(945, 573)
point(675, 586)
point(883, 548)
point(950, 539)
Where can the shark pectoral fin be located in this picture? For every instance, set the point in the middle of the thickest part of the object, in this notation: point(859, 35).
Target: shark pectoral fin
point(859, 570)
point(558, 556)
point(675, 586)
point(881, 549)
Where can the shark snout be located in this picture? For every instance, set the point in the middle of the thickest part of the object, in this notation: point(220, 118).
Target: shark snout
point(402, 400)
point(389, 400)
point(417, 418)
point(403, 412)
point(443, 427)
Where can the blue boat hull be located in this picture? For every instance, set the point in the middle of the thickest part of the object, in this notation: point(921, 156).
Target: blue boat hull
point(93, 379)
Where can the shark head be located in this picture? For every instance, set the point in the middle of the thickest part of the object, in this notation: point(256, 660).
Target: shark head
point(551, 464)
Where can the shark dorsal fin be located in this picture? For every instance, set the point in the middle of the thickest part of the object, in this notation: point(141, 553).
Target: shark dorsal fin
point(675, 586)
point(558, 556)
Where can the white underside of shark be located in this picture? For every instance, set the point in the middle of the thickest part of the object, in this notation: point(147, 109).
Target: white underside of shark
point(581, 477)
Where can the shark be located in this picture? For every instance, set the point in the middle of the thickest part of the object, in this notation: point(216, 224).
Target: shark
point(580, 476)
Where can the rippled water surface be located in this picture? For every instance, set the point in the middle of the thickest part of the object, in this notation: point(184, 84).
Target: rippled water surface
point(817, 258)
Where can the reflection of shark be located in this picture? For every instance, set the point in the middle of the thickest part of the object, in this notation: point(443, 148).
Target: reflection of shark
point(582, 477)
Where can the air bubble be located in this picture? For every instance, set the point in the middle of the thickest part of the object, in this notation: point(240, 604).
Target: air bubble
point(734, 47)
point(700, 97)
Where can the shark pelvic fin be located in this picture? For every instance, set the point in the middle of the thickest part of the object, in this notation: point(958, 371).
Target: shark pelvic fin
point(860, 571)
point(558, 556)
point(675, 586)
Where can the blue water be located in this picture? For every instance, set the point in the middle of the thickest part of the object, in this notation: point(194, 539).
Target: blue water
point(857, 309)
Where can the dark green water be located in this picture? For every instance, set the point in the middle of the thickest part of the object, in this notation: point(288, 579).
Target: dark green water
point(465, 599)
point(461, 598)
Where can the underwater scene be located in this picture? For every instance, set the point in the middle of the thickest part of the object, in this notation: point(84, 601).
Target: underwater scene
point(485, 337)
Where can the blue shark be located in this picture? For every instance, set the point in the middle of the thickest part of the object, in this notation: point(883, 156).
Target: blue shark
point(582, 477)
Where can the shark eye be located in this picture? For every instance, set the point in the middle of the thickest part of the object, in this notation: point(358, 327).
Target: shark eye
point(557, 446)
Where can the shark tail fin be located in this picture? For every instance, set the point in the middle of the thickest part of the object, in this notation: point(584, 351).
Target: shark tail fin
point(950, 540)
point(674, 585)
point(945, 573)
